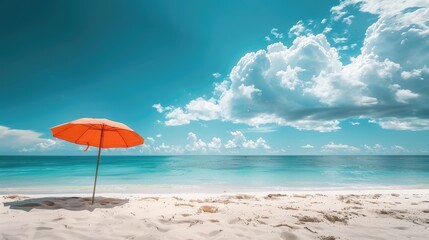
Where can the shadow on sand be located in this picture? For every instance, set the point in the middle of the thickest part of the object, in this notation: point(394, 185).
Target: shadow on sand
point(68, 203)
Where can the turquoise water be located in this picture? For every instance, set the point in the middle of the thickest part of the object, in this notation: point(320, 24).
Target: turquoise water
point(210, 173)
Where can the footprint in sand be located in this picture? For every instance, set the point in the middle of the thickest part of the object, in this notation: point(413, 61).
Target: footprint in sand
point(214, 233)
point(401, 228)
point(44, 228)
point(288, 236)
point(161, 229)
point(57, 219)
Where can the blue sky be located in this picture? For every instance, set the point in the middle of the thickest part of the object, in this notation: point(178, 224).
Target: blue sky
point(210, 77)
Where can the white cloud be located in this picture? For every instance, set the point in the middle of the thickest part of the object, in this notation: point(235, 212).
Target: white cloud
point(308, 87)
point(327, 30)
point(216, 75)
point(289, 77)
point(24, 141)
point(260, 129)
point(376, 149)
point(238, 144)
point(338, 11)
point(404, 95)
point(198, 109)
point(275, 33)
point(307, 146)
point(158, 107)
point(151, 148)
point(297, 29)
point(195, 144)
point(340, 39)
point(323, 21)
point(158, 135)
point(386, 7)
point(247, 91)
point(354, 123)
point(420, 74)
point(348, 20)
point(333, 147)
point(398, 148)
point(409, 124)
point(343, 48)
point(215, 144)
point(240, 141)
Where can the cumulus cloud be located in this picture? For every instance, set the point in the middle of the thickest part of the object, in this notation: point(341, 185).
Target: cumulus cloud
point(195, 144)
point(333, 147)
point(215, 144)
point(240, 141)
point(198, 109)
point(24, 141)
point(308, 87)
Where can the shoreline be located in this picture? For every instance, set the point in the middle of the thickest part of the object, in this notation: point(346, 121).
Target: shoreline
point(204, 189)
point(215, 193)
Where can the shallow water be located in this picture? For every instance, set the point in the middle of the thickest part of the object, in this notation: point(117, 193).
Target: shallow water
point(206, 173)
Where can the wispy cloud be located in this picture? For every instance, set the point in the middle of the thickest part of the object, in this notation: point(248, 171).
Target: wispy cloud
point(25, 141)
point(297, 29)
point(333, 147)
point(274, 34)
point(216, 75)
point(307, 146)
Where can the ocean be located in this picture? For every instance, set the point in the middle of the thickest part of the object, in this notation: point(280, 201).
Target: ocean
point(170, 174)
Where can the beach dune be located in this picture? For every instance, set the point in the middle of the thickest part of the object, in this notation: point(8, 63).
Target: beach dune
point(328, 215)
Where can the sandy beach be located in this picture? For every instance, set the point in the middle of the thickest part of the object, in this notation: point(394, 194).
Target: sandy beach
point(328, 215)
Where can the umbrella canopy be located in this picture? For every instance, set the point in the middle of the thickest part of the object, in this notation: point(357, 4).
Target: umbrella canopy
point(101, 133)
point(87, 131)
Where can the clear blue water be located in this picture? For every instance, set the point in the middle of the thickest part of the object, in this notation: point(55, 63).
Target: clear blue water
point(205, 173)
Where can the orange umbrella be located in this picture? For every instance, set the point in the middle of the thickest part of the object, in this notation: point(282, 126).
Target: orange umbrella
point(96, 132)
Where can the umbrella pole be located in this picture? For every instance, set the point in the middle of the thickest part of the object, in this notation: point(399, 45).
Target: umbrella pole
point(98, 163)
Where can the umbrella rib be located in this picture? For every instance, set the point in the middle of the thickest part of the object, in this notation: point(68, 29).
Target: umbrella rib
point(82, 134)
point(136, 134)
point(122, 138)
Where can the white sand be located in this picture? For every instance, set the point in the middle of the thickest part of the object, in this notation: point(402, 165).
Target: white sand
point(368, 214)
